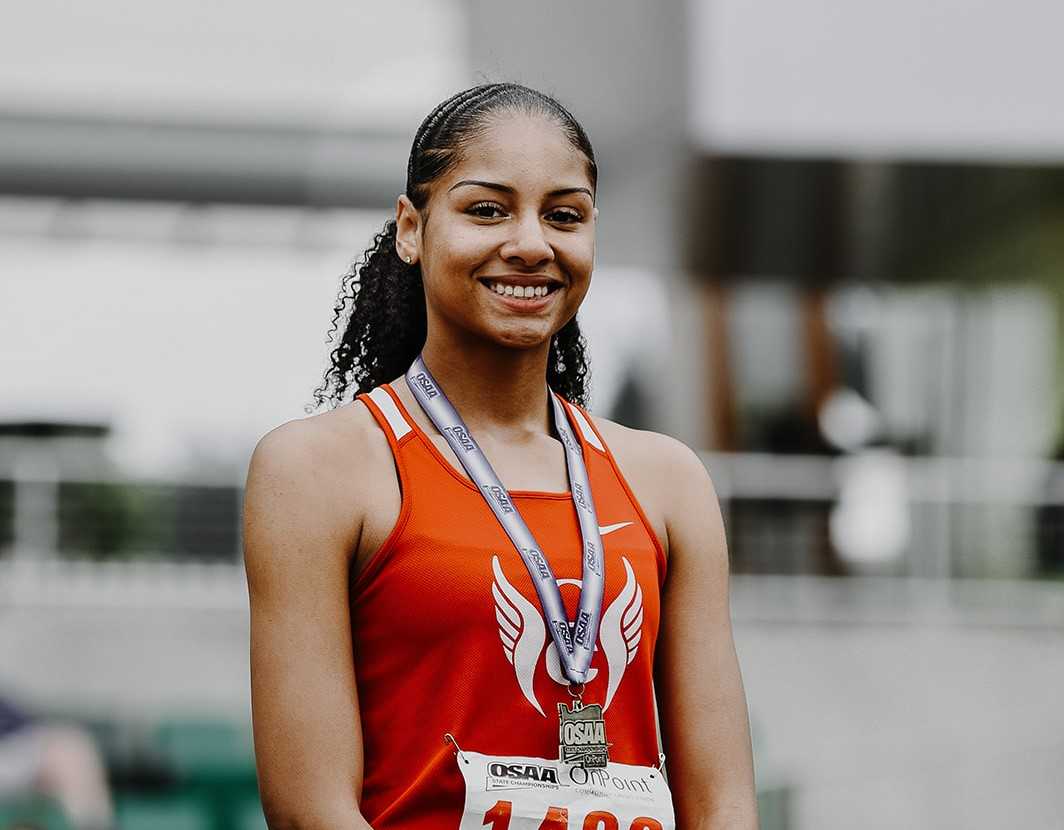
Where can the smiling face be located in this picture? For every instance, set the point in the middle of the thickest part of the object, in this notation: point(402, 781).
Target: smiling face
point(506, 242)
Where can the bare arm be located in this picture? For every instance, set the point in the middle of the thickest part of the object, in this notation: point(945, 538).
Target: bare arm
point(705, 724)
point(297, 543)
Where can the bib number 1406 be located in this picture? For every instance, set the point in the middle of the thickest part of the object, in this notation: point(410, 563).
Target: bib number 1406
point(557, 818)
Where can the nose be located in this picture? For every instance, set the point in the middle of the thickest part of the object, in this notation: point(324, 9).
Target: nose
point(527, 243)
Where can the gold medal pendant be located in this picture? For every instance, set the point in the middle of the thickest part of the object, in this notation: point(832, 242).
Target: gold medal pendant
point(582, 735)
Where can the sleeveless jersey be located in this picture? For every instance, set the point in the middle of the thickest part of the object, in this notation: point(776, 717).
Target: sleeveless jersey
point(448, 634)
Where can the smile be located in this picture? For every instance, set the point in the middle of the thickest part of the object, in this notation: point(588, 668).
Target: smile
point(522, 295)
point(520, 291)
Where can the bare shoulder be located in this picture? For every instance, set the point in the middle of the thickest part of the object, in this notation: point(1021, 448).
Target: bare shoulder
point(661, 470)
point(323, 441)
point(677, 494)
point(306, 479)
point(649, 452)
point(316, 450)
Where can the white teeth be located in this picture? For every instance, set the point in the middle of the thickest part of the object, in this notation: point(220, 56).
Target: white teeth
point(523, 291)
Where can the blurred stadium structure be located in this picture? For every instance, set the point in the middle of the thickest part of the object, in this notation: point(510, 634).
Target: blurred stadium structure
point(831, 255)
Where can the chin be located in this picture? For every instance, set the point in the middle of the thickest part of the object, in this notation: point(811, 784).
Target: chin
point(521, 337)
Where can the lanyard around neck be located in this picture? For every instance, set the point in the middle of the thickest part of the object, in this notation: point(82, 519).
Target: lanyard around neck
point(575, 641)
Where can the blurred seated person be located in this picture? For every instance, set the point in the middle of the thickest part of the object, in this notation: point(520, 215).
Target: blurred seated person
point(60, 761)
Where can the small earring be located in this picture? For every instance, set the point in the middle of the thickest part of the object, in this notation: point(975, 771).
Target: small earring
point(407, 258)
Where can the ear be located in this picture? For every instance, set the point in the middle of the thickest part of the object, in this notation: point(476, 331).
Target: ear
point(407, 229)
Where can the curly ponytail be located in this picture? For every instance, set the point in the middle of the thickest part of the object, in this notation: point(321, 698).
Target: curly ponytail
point(382, 297)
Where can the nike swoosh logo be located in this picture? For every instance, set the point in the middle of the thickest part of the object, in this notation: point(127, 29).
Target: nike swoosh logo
point(603, 530)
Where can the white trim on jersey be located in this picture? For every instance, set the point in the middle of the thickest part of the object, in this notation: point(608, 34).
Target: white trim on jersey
point(396, 421)
point(585, 428)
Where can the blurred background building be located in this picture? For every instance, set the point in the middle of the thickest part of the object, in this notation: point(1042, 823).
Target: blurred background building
point(830, 255)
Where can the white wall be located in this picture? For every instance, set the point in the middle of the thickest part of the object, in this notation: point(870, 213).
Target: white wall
point(344, 63)
point(191, 350)
point(952, 78)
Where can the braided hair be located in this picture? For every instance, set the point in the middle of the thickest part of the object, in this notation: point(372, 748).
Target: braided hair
point(382, 297)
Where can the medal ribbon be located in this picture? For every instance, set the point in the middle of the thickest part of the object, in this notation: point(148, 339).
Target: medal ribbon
point(575, 644)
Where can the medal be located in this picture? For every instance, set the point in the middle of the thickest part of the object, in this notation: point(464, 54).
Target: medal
point(582, 735)
point(581, 729)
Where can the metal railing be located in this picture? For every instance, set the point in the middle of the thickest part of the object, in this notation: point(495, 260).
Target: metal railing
point(786, 515)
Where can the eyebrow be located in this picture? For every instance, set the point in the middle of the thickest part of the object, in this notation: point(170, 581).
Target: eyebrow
point(504, 188)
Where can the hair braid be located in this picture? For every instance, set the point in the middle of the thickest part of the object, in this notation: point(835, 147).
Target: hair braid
point(434, 119)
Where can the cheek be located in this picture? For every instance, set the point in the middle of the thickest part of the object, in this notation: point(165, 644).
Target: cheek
point(578, 257)
point(465, 247)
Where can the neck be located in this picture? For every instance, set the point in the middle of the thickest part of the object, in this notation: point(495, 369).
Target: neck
point(494, 389)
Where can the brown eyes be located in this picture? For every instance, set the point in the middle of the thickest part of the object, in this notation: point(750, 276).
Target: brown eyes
point(485, 210)
point(493, 210)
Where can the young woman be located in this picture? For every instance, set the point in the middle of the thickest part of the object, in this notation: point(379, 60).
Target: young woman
point(410, 554)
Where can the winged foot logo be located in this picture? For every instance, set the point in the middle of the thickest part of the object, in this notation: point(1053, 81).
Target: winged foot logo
point(523, 633)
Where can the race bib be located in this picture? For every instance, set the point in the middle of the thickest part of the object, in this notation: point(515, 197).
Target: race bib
point(519, 793)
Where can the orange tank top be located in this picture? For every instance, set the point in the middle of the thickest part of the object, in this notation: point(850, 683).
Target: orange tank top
point(448, 634)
